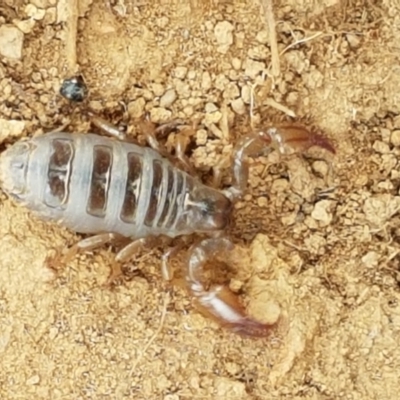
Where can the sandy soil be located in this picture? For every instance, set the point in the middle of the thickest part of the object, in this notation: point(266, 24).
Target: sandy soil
point(318, 247)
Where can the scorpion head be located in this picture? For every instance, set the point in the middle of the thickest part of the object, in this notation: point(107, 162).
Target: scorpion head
point(13, 165)
point(207, 209)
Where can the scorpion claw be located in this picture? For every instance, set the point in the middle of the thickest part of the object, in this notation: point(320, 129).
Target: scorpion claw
point(295, 137)
point(286, 138)
point(223, 306)
point(219, 302)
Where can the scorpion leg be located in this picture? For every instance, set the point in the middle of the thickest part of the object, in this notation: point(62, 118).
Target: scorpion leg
point(122, 256)
point(96, 241)
point(128, 251)
point(150, 133)
point(286, 138)
point(181, 144)
point(219, 302)
point(90, 243)
point(125, 254)
point(166, 270)
point(107, 127)
point(181, 141)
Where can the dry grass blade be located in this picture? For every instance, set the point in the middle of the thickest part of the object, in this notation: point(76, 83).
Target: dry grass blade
point(156, 333)
point(270, 19)
point(71, 36)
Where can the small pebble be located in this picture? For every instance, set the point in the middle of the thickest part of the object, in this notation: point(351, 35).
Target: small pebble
point(381, 147)
point(168, 98)
point(33, 380)
point(26, 26)
point(191, 74)
point(231, 91)
point(10, 128)
point(262, 37)
point(201, 137)
point(353, 40)
point(11, 42)
point(212, 118)
point(206, 81)
point(223, 35)
point(236, 63)
point(188, 111)
point(321, 212)
point(210, 108)
point(51, 16)
point(246, 94)
point(253, 68)
point(136, 108)
point(160, 115)
point(34, 12)
point(180, 72)
point(157, 89)
point(371, 259)
point(238, 106)
point(320, 167)
point(43, 3)
point(262, 201)
point(395, 138)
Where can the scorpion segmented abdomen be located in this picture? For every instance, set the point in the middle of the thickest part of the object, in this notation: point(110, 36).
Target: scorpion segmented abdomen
point(95, 184)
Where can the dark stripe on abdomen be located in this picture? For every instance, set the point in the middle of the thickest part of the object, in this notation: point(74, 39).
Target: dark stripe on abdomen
point(168, 198)
point(155, 193)
point(58, 174)
point(178, 187)
point(100, 181)
point(132, 190)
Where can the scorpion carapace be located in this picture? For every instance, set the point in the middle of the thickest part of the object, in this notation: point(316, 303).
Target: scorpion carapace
point(99, 185)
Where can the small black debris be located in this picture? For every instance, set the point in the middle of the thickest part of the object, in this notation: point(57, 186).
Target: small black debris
point(74, 89)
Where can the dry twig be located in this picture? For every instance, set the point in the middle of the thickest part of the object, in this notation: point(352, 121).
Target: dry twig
point(270, 19)
point(71, 36)
point(156, 333)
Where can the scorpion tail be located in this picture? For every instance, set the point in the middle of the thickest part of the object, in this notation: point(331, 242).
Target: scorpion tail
point(219, 302)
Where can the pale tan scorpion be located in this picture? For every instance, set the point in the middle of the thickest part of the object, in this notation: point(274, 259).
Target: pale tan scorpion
point(99, 185)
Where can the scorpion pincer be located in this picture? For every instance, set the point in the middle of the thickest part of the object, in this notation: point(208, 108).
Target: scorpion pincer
point(112, 188)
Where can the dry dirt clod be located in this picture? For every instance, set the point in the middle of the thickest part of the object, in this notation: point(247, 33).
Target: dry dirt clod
point(180, 72)
point(322, 212)
point(380, 208)
point(25, 26)
point(395, 138)
point(168, 98)
point(43, 3)
point(381, 147)
point(263, 37)
point(10, 128)
point(11, 42)
point(320, 167)
point(136, 108)
point(253, 68)
point(34, 12)
point(223, 35)
point(206, 81)
point(238, 106)
point(160, 115)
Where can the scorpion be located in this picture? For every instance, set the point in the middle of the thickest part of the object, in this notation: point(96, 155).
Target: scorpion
point(111, 187)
